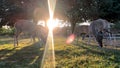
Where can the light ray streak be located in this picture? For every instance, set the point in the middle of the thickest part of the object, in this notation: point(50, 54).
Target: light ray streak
point(48, 60)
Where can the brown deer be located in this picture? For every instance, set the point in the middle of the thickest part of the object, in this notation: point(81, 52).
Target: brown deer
point(98, 28)
point(26, 26)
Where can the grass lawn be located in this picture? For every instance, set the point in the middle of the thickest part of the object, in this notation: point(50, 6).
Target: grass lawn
point(81, 55)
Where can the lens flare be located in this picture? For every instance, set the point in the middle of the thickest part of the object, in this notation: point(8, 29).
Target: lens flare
point(52, 24)
point(48, 60)
point(70, 39)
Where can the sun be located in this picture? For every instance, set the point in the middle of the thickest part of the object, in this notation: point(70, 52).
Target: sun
point(52, 23)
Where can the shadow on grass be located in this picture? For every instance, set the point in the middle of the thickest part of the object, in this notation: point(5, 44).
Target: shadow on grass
point(109, 54)
point(106, 56)
point(6, 41)
point(27, 57)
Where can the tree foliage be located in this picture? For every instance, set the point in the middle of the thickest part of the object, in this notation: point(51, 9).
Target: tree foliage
point(109, 9)
point(83, 10)
point(72, 10)
point(12, 10)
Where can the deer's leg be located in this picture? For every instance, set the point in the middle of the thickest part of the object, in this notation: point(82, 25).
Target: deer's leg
point(110, 38)
point(83, 36)
point(16, 40)
point(89, 39)
point(99, 38)
point(43, 40)
point(39, 38)
point(31, 39)
point(34, 39)
point(16, 37)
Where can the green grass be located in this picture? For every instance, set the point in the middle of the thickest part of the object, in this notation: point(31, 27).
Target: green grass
point(81, 55)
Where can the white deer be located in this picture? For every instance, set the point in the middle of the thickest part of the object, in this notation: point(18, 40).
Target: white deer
point(26, 26)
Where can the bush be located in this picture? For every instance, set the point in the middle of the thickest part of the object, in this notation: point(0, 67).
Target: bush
point(4, 31)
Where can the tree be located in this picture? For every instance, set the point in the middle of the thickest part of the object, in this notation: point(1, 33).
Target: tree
point(109, 9)
point(12, 10)
point(83, 10)
point(74, 11)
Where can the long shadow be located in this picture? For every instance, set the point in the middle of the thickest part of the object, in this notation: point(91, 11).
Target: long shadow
point(3, 52)
point(62, 53)
point(106, 52)
point(6, 41)
point(27, 57)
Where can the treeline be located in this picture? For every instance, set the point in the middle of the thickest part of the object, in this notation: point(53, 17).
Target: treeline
point(72, 10)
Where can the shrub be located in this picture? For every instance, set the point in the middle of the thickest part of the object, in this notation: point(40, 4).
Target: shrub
point(4, 31)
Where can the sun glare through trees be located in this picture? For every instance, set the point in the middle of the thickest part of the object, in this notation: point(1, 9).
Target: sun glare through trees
point(48, 60)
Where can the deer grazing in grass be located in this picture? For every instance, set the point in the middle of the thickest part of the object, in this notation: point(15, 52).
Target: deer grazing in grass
point(98, 29)
point(26, 26)
point(81, 30)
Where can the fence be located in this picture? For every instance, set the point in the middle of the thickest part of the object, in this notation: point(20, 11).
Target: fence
point(115, 40)
point(116, 36)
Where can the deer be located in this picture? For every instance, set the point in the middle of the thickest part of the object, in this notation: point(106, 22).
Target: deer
point(27, 26)
point(98, 28)
point(81, 30)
